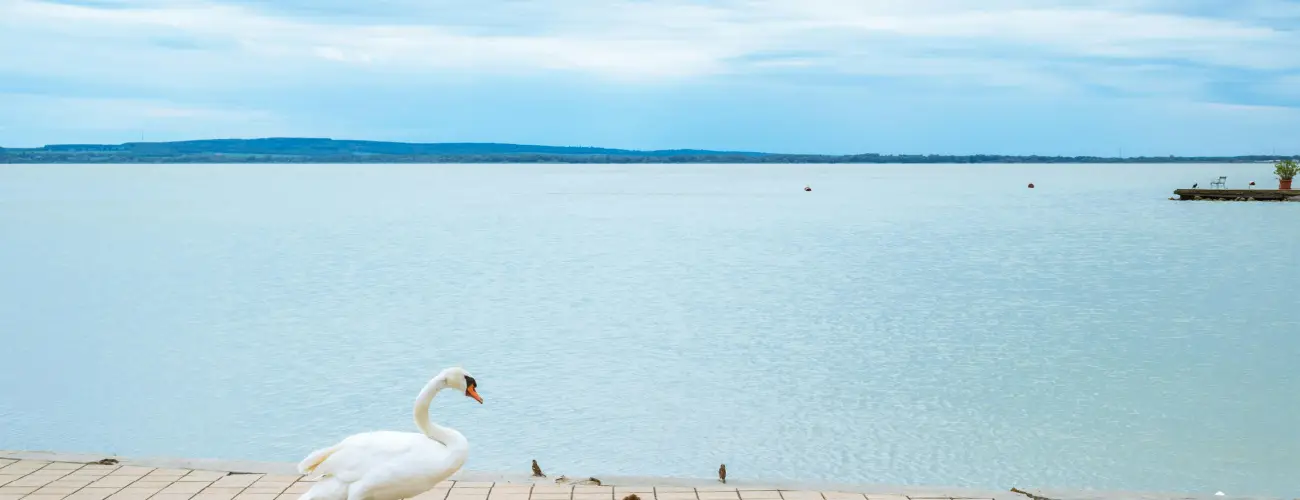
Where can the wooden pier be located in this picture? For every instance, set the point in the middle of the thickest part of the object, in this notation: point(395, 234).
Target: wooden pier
point(1238, 194)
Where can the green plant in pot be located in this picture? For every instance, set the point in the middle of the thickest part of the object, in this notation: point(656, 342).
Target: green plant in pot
point(1285, 170)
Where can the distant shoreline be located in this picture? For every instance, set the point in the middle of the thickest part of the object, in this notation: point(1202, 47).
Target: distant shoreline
point(610, 161)
point(311, 150)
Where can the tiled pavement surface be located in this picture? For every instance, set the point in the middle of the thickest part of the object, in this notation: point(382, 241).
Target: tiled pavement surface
point(46, 480)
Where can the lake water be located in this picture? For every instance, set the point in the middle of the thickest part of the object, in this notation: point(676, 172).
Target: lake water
point(917, 324)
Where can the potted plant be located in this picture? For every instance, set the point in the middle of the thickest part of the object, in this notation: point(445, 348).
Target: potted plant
point(1285, 170)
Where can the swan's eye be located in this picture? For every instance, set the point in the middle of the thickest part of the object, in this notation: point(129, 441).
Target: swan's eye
point(470, 382)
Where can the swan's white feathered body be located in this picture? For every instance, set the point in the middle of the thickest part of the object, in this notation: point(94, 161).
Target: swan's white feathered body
point(390, 465)
point(380, 465)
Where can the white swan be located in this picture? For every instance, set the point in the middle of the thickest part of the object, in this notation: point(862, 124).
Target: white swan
point(388, 465)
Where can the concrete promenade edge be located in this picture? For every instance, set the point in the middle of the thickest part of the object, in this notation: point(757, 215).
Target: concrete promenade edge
point(40, 475)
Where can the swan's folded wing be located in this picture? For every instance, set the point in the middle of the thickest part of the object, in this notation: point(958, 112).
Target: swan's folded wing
point(361, 453)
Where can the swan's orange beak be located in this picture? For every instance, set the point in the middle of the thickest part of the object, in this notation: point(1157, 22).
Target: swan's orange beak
point(473, 393)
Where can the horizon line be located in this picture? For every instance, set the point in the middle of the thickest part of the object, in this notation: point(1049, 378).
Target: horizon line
point(593, 150)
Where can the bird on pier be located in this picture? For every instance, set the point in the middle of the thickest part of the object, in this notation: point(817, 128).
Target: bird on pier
point(1194, 184)
point(389, 465)
point(722, 473)
point(537, 470)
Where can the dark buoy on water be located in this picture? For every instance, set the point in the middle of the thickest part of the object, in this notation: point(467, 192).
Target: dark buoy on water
point(1031, 185)
point(807, 188)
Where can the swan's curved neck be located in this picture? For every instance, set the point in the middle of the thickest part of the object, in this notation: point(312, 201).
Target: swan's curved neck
point(444, 435)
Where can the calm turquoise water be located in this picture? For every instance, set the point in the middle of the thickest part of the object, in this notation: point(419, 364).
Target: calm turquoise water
point(919, 324)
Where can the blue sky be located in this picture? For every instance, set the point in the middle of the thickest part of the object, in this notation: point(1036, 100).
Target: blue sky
point(1070, 77)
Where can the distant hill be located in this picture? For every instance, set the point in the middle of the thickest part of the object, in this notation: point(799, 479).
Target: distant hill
point(315, 150)
point(313, 147)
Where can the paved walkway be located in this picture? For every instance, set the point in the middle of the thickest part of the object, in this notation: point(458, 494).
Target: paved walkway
point(64, 476)
point(51, 480)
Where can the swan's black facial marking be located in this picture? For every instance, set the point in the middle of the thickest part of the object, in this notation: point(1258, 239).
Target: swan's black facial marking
point(471, 389)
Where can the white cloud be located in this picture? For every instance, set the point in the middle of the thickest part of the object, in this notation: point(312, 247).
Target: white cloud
point(1001, 41)
point(189, 54)
point(79, 35)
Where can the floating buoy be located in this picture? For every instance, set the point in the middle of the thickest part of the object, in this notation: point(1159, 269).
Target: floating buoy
point(1031, 185)
point(1218, 493)
point(807, 188)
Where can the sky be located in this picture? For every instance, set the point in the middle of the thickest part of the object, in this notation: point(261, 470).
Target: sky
point(1058, 77)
